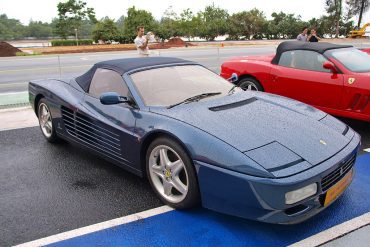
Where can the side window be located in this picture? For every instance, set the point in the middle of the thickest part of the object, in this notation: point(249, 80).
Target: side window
point(106, 80)
point(306, 60)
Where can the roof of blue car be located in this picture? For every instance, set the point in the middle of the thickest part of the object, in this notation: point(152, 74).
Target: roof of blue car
point(124, 65)
point(319, 47)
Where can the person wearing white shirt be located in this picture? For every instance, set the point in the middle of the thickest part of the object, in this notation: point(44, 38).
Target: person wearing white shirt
point(303, 36)
point(141, 42)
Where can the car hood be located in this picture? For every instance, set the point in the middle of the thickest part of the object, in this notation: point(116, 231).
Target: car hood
point(252, 120)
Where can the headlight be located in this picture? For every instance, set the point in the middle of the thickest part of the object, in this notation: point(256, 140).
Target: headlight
point(300, 194)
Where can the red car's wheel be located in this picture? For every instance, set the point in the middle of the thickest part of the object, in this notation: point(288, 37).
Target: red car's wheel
point(250, 84)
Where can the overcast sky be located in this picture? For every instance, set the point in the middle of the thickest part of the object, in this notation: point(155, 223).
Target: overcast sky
point(45, 10)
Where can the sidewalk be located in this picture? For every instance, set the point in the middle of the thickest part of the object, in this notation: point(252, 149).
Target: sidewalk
point(15, 118)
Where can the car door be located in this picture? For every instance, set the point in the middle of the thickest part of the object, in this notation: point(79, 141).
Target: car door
point(301, 76)
point(112, 126)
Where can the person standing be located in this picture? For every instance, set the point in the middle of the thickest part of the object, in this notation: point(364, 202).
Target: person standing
point(303, 36)
point(141, 42)
point(313, 36)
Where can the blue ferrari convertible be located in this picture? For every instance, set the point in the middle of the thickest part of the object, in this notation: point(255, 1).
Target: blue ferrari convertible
point(199, 139)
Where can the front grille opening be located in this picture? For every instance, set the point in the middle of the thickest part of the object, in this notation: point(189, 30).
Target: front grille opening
point(296, 209)
point(336, 175)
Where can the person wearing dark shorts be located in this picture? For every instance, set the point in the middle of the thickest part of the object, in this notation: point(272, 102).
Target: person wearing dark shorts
point(313, 36)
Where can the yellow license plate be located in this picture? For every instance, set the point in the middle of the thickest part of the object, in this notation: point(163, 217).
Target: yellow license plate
point(338, 188)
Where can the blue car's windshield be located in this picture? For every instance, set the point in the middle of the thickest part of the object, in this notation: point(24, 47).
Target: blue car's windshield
point(171, 85)
point(353, 59)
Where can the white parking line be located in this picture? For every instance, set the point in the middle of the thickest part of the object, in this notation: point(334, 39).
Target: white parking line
point(97, 227)
point(367, 150)
point(334, 232)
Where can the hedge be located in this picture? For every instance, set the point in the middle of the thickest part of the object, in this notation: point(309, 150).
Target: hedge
point(71, 42)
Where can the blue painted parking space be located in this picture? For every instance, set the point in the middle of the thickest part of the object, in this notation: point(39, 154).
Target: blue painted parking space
point(204, 227)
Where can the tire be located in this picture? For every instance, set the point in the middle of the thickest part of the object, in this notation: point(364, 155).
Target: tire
point(171, 174)
point(250, 83)
point(46, 121)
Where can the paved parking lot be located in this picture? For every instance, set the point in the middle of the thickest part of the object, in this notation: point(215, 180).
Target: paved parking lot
point(46, 189)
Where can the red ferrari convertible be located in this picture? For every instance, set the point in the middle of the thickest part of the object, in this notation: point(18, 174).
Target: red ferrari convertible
point(333, 78)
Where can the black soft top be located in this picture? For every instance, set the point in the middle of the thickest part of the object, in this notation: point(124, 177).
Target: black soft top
point(122, 66)
point(319, 47)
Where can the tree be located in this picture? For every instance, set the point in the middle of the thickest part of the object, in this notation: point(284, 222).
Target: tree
point(169, 25)
point(71, 15)
point(186, 24)
point(357, 7)
point(273, 30)
point(38, 29)
point(334, 9)
point(213, 22)
point(284, 26)
point(136, 17)
point(10, 28)
point(120, 22)
point(105, 29)
point(247, 23)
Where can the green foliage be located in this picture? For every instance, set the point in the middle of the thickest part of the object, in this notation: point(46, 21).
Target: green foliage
point(213, 22)
point(38, 30)
point(71, 15)
point(286, 26)
point(105, 30)
point(208, 23)
point(187, 23)
point(250, 24)
point(10, 28)
point(136, 17)
point(24, 54)
point(64, 42)
point(334, 9)
point(169, 26)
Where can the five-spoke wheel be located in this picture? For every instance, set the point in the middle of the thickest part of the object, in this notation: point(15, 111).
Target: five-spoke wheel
point(171, 173)
point(250, 84)
point(46, 121)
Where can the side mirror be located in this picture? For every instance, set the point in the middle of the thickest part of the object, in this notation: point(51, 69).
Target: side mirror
point(233, 78)
point(330, 66)
point(112, 98)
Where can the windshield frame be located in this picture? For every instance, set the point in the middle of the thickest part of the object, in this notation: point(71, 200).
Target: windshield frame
point(329, 55)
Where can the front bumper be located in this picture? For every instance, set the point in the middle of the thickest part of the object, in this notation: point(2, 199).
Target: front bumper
point(263, 199)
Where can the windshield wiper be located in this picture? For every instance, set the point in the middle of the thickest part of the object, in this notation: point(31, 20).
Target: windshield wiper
point(194, 99)
point(232, 90)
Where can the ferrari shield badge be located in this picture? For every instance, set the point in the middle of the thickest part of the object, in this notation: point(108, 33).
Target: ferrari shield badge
point(351, 80)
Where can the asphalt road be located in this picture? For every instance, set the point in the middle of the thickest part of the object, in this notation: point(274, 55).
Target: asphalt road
point(47, 189)
point(15, 72)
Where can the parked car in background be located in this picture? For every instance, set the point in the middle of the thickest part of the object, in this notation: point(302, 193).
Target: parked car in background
point(333, 78)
